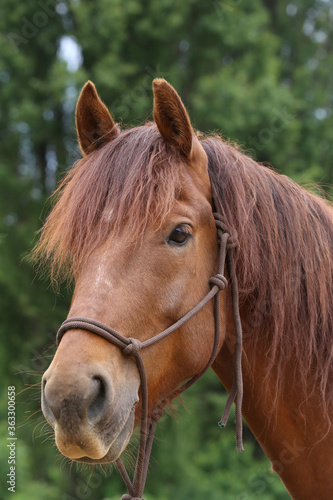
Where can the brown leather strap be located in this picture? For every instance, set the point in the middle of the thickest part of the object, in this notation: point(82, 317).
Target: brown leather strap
point(132, 347)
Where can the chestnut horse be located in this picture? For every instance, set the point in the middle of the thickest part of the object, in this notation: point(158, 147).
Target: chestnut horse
point(133, 225)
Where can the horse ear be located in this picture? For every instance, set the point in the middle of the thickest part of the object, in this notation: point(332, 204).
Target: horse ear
point(94, 124)
point(171, 117)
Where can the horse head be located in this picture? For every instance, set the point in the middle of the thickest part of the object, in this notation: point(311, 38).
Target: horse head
point(135, 218)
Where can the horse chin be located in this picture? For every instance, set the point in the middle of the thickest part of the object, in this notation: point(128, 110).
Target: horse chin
point(105, 447)
point(117, 447)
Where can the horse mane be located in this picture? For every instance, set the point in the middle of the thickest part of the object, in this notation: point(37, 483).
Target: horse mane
point(284, 261)
point(284, 264)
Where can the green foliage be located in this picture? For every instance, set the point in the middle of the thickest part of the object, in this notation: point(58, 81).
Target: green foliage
point(259, 72)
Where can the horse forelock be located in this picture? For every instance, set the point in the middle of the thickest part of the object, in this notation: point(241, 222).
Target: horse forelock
point(128, 183)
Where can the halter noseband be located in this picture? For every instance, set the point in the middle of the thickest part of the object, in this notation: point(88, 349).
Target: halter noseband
point(132, 347)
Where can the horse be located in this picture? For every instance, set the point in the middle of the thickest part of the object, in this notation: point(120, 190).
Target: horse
point(133, 225)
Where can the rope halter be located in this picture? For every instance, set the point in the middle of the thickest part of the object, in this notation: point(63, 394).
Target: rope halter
point(131, 347)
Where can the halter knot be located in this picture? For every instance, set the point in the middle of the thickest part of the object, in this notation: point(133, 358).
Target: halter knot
point(129, 497)
point(132, 348)
point(221, 225)
point(219, 280)
point(233, 241)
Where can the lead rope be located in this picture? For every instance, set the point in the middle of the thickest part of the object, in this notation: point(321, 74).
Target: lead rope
point(237, 385)
point(131, 347)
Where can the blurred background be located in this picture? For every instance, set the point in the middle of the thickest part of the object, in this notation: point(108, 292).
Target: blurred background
point(258, 71)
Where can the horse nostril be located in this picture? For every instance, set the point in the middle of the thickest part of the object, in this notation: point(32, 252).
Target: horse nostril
point(50, 411)
point(97, 404)
point(45, 378)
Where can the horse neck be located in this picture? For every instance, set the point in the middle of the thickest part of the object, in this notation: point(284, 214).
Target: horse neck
point(291, 428)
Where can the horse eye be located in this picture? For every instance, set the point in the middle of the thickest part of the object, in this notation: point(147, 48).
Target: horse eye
point(180, 235)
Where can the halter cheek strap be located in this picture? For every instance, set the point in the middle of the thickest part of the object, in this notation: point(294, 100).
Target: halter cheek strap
point(132, 347)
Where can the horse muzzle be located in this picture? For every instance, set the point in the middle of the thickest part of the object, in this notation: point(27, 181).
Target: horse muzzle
point(91, 423)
